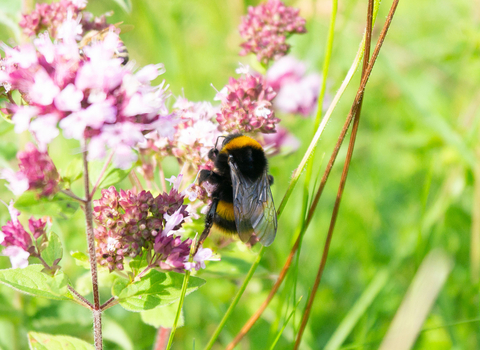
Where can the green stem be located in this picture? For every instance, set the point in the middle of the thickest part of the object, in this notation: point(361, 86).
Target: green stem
point(328, 114)
point(326, 63)
point(179, 309)
point(236, 299)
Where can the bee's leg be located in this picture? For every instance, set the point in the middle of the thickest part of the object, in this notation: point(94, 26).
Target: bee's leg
point(270, 179)
point(208, 223)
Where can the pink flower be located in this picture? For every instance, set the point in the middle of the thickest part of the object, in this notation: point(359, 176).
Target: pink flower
point(172, 221)
point(51, 16)
point(13, 232)
point(18, 256)
point(18, 181)
point(202, 255)
point(69, 99)
point(91, 97)
point(37, 172)
point(266, 28)
point(130, 224)
point(297, 92)
point(280, 142)
point(248, 107)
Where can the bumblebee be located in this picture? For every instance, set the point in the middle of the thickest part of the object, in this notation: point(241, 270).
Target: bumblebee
point(95, 35)
point(242, 202)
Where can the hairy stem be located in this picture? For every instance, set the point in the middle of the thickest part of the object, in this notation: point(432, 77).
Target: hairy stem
point(97, 313)
point(79, 297)
point(73, 195)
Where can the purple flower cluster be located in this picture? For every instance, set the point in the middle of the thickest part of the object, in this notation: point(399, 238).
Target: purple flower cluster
point(18, 242)
point(92, 96)
point(193, 134)
point(131, 224)
point(37, 172)
point(247, 105)
point(266, 27)
point(51, 16)
point(297, 92)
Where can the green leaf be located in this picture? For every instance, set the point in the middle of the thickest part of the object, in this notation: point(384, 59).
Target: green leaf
point(58, 206)
point(42, 341)
point(162, 316)
point(74, 171)
point(81, 259)
point(54, 249)
point(31, 280)
point(154, 289)
point(112, 176)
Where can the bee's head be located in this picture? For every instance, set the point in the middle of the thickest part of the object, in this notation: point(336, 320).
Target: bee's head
point(212, 154)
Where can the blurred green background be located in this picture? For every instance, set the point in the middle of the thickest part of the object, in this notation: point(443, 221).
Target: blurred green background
point(412, 185)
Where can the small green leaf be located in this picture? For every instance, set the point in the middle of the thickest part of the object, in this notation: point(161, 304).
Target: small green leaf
point(154, 289)
point(59, 205)
point(31, 280)
point(54, 250)
point(42, 341)
point(162, 316)
point(81, 259)
point(114, 176)
point(74, 171)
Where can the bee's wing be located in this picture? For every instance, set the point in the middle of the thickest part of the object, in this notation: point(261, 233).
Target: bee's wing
point(253, 207)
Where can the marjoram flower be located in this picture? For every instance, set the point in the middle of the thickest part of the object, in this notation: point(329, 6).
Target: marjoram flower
point(130, 224)
point(18, 242)
point(297, 92)
point(247, 105)
point(266, 27)
point(90, 96)
point(36, 172)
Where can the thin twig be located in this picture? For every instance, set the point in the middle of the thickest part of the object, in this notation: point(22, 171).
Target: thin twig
point(137, 180)
point(108, 304)
point(73, 195)
point(97, 315)
point(102, 172)
point(80, 297)
point(343, 179)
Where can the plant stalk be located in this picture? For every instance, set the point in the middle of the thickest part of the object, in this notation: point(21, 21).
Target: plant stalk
point(355, 111)
point(97, 313)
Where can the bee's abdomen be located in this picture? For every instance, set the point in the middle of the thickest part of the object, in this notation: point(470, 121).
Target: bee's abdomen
point(224, 218)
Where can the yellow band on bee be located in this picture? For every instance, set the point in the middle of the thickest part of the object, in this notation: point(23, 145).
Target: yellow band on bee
point(240, 142)
point(225, 210)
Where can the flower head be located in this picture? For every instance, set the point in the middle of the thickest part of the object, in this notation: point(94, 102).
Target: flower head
point(50, 17)
point(266, 27)
point(247, 106)
point(92, 96)
point(297, 92)
point(130, 224)
point(202, 255)
point(18, 242)
point(193, 133)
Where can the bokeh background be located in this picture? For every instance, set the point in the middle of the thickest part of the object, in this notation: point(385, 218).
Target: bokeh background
point(414, 182)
